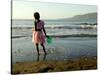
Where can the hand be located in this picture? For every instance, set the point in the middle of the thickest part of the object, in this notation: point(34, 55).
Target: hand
point(47, 36)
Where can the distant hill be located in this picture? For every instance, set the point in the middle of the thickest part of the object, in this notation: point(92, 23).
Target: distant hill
point(83, 18)
point(89, 17)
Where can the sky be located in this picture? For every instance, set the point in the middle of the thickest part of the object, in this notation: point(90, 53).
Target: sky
point(24, 9)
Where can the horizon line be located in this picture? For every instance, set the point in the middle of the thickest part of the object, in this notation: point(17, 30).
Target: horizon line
point(53, 18)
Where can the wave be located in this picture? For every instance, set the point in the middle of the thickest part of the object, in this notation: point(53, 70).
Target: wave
point(17, 36)
point(59, 27)
point(60, 36)
point(75, 35)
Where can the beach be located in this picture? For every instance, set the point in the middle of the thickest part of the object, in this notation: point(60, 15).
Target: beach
point(86, 63)
point(73, 47)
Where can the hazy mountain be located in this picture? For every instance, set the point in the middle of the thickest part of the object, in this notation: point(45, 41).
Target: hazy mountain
point(83, 18)
point(89, 17)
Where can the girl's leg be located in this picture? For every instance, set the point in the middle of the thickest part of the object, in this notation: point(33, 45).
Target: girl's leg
point(43, 48)
point(37, 49)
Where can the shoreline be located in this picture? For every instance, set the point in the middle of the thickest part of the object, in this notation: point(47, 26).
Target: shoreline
point(61, 36)
point(85, 63)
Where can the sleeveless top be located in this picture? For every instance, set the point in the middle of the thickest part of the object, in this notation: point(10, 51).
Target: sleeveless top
point(40, 24)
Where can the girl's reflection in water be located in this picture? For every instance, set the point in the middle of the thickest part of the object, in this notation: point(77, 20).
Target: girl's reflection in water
point(44, 57)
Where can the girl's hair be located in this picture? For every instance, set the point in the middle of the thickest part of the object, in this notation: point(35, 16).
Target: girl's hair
point(37, 15)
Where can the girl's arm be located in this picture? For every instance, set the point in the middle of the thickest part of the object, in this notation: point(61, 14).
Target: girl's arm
point(44, 31)
point(35, 26)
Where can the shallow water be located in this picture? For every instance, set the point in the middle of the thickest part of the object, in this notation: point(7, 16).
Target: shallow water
point(61, 49)
point(81, 40)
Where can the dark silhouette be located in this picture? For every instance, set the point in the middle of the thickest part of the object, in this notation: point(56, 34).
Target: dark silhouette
point(39, 35)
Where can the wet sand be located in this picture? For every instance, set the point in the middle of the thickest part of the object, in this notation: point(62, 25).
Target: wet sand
point(85, 63)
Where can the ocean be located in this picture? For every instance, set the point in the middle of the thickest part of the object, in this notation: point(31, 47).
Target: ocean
point(70, 40)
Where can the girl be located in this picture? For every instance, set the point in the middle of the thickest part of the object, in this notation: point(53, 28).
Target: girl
point(38, 35)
